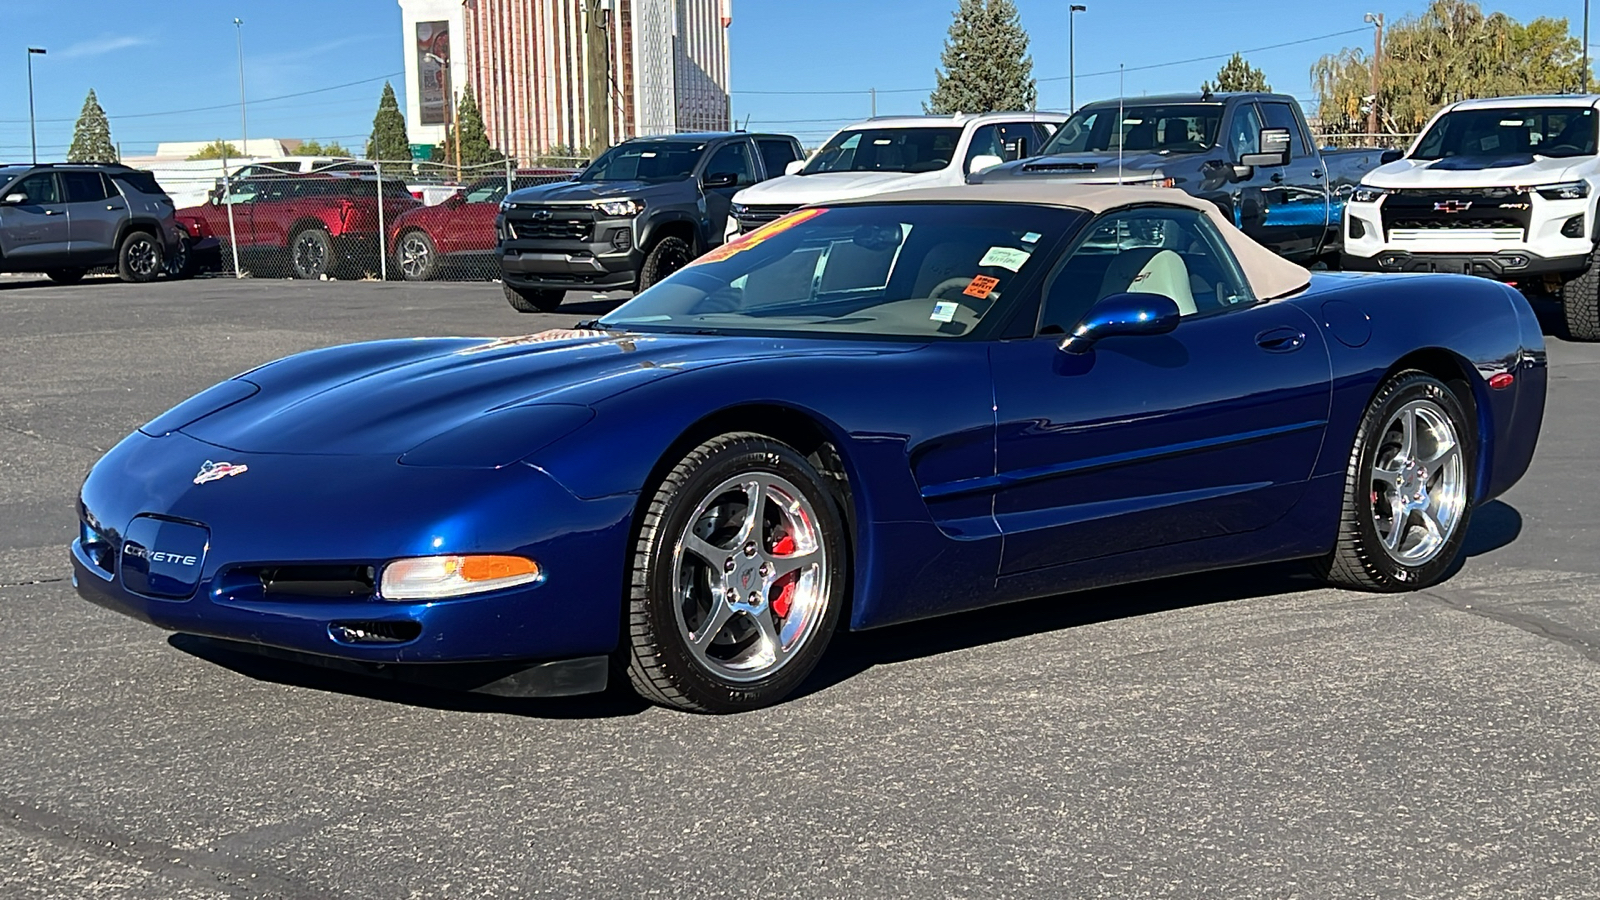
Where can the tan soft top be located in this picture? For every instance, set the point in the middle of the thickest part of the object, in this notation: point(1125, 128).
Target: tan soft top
point(1270, 276)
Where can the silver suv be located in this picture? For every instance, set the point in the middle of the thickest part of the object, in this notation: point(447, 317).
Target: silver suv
point(64, 219)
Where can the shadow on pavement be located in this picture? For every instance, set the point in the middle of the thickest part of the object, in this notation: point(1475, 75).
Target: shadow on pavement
point(1494, 525)
point(1552, 319)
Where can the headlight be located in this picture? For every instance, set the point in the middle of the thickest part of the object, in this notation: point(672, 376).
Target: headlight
point(620, 207)
point(738, 209)
point(438, 577)
point(1571, 190)
point(505, 205)
point(1365, 194)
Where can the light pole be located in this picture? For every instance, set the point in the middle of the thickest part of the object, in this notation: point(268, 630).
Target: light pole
point(1585, 46)
point(1072, 57)
point(1376, 21)
point(33, 135)
point(244, 129)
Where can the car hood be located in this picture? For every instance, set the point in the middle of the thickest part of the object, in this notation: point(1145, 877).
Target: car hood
point(1514, 170)
point(825, 187)
point(579, 191)
point(388, 397)
point(1090, 167)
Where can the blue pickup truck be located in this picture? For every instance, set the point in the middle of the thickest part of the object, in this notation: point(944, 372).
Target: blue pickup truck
point(1249, 153)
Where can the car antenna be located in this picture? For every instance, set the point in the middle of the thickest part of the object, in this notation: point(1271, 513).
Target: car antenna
point(1121, 135)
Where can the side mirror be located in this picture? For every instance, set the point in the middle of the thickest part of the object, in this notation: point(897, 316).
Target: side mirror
point(794, 167)
point(720, 180)
point(1274, 144)
point(1123, 314)
point(981, 162)
point(16, 197)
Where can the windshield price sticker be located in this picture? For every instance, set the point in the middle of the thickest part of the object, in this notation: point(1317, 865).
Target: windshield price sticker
point(752, 238)
point(1031, 237)
point(1005, 257)
point(981, 286)
point(945, 311)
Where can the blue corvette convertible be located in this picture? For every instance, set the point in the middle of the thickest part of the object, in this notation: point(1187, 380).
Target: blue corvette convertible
point(861, 414)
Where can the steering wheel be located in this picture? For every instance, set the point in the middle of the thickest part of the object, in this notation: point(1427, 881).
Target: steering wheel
point(953, 283)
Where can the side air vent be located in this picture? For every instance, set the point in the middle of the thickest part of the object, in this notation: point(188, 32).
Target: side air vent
point(316, 582)
point(374, 632)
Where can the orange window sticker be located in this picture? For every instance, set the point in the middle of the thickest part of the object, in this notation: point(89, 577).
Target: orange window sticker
point(981, 286)
point(745, 241)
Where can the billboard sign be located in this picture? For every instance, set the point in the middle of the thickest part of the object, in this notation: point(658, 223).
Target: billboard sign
point(433, 61)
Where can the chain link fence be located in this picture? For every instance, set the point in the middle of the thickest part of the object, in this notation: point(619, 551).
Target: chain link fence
point(1353, 141)
point(361, 219)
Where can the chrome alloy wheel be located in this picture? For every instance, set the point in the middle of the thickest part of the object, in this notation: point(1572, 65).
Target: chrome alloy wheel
point(144, 258)
point(751, 575)
point(1419, 483)
point(415, 256)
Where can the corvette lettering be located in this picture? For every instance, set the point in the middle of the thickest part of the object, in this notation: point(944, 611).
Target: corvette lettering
point(213, 471)
point(160, 556)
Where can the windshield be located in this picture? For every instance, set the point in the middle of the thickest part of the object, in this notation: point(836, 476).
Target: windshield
point(1559, 131)
point(645, 161)
point(887, 150)
point(1168, 128)
point(923, 271)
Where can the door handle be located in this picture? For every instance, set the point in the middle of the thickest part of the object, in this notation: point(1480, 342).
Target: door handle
point(1281, 340)
point(1316, 173)
point(1277, 178)
point(115, 206)
point(50, 212)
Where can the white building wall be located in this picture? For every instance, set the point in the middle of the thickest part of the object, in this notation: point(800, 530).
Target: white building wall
point(411, 13)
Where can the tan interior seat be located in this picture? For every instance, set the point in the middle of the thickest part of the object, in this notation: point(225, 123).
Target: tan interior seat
point(1150, 270)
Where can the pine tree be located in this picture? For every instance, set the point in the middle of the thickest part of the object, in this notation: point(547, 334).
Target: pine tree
point(475, 147)
point(91, 137)
point(1237, 75)
point(389, 141)
point(986, 62)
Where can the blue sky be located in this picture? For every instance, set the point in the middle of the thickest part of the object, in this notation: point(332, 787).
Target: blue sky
point(158, 70)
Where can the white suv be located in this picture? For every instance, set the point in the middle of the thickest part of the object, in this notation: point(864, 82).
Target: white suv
point(893, 154)
point(1504, 188)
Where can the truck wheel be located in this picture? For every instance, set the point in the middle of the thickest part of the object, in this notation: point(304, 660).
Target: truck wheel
point(532, 300)
point(67, 276)
point(1580, 299)
point(311, 253)
point(668, 255)
point(139, 259)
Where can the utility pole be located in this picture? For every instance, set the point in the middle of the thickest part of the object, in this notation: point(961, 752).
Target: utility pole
point(33, 135)
point(1375, 20)
point(597, 76)
point(244, 128)
point(874, 93)
point(1072, 56)
point(1585, 47)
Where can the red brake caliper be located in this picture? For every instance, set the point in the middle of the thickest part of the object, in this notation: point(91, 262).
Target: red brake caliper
point(784, 587)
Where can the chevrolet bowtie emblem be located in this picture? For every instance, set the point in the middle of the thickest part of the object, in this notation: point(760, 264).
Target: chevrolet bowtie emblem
point(1453, 206)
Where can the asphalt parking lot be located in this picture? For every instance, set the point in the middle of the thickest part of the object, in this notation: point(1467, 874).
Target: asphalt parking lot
point(1241, 734)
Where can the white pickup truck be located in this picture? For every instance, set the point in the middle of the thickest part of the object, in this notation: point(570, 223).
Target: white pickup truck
point(894, 154)
point(1504, 188)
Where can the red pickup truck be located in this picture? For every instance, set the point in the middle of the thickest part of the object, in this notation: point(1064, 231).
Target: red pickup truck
point(459, 233)
point(313, 225)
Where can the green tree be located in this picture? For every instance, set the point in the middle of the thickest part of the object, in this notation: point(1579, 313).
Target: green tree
point(315, 147)
point(91, 137)
point(475, 147)
point(217, 149)
point(388, 140)
point(1237, 75)
point(986, 62)
point(1450, 52)
point(558, 156)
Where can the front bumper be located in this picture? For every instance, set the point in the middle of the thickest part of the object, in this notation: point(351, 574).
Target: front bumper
point(1505, 265)
point(570, 249)
point(349, 513)
point(1515, 236)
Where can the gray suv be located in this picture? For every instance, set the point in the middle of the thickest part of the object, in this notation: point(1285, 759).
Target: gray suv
point(64, 219)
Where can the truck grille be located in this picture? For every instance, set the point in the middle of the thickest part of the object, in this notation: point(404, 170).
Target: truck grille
point(753, 217)
point(551, 225)
point(1453, 212)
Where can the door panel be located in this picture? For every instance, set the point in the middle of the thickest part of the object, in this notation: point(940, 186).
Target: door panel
point(35, 232)
point(1153, 440)
point(94, 216)
point(1295, 196)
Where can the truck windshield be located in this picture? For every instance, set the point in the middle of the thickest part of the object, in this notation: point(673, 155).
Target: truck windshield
point(1167, 128)
point(1557, 131)
point(887, 150)
point(921, 271)
point(645, 161)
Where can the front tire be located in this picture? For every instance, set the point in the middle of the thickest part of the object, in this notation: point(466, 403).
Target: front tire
point(668, 255)
point(418, 256)
point(530, 300)
point(139, 258)
point(1408, 490)
point(311, 253)
point(737, 580)
point(1580, 300)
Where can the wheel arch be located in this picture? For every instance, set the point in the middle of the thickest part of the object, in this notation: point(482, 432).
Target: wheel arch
point(673, 225)
point(305, 222)
point(147, 225)
point(1463, 380)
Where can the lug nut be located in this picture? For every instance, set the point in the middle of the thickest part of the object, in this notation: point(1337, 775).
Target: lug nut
point(729, 566)
point(750, 548)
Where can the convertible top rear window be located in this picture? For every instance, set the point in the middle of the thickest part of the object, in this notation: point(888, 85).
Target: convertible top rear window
point(923, 271)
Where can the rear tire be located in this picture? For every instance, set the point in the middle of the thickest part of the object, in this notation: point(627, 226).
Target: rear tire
point(668, 255)
point(731, 603)
point(180, 264)
point(1408, 490)
point(66, 276)
point(1580, 300)
point(531, 300)
point(311, 253)
point(139, 258)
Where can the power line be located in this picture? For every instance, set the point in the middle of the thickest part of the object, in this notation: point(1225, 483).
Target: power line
point(179, 112)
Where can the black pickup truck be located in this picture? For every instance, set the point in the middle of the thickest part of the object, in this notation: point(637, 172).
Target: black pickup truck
point(1250, 153)
point(637, 214)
